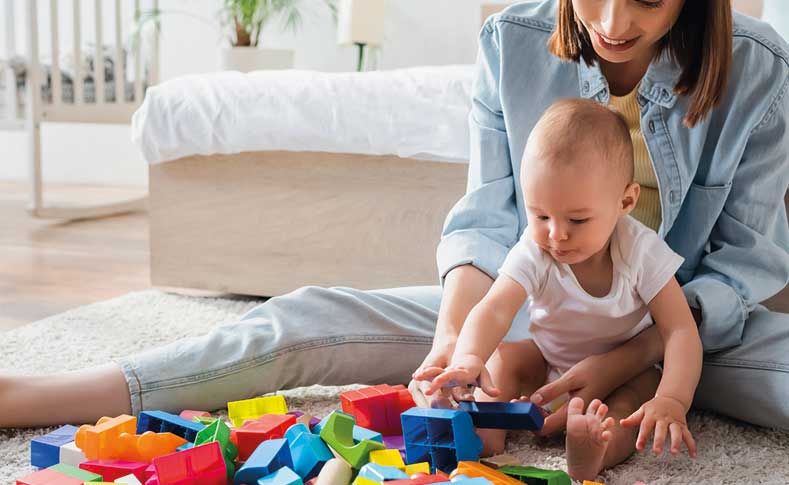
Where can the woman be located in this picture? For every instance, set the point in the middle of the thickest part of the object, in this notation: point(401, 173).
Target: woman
point(720, 184)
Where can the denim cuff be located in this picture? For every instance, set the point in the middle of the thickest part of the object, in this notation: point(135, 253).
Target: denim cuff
point(135, 390)
point(468, 247)
point(723, 312)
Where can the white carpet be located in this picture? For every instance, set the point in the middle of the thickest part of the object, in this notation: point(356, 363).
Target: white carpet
point(729, 452)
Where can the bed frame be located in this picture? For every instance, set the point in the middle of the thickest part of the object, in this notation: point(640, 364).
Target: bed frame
point(38, 110)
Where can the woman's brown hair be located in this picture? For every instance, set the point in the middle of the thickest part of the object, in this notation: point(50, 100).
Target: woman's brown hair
point(700, 42)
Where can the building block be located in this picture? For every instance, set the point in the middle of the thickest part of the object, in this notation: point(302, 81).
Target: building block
point(308, 451)
point(240, 411)
point(381, 473)
point(185, 446)
point(162, 422)
point(75, 472)
point(220, 432)
point(48, 477)
point(378, 407)
point(537, 476)
point(189, 414)
point(587, 482)
point(283, 476)
point(387, 458)
point(335, 472)
point(499, 461)
point(464, 480)
point(442, 437)
point(269, 457)
point(338, 434)
point(503, 415)
point(70, 454)
point(421, 480)
point(99, 441)
point(204, 420)
point(473, 469)
point(112, 469)
point(45, 450)
point(145, 447)
point(359, 433)
point(255, 431)
point(201, 465)
point(364, 481)
point(128, 480)
point(415, 468)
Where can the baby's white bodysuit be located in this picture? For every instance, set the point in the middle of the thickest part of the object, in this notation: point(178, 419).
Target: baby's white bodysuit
point(567, 323)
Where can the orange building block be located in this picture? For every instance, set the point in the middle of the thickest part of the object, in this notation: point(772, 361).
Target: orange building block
point(474, 469)
point(147, 446)
point(100, 441)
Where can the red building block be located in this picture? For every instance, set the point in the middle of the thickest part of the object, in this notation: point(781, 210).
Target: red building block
point(112, 469)
point(48, 477)
point(255, 431)
point(201, 465)
point(378, 408)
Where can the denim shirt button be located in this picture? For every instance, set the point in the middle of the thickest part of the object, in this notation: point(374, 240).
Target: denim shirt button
point(672, 196)
point(586, 86)
point(652, 127)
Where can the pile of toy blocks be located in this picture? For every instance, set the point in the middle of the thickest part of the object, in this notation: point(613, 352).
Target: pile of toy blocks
point(380, 437)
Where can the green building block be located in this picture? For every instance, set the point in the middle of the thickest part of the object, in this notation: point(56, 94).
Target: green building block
point(206, 420)
point(75, 472)
point(338, 433)
point(536, 476)
point(219, 431)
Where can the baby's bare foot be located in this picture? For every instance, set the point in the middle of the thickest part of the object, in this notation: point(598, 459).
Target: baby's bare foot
point(587, 438)
point(492, 441)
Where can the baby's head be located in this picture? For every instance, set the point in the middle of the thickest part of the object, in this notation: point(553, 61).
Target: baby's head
point(577, 178)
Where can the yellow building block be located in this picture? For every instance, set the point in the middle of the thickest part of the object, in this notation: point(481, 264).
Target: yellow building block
point(423, 467)
point(587, 482)
point(240, 411)
point(364, 481)
point(388, 458)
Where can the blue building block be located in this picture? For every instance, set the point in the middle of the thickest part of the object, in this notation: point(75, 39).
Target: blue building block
point(309, 452)
point(283, 476)
point(464, 480)
point(45, 450)
point(267, 458)
point(503, 415)
point(441, 436)
point(359, 433)
point(162, 422)
point(185, 447)
point(381, 473)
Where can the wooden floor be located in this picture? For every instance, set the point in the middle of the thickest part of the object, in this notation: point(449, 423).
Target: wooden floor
point(47, 267)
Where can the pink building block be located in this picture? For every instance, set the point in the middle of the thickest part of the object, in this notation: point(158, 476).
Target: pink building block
point(112, 469)
point(188, 414)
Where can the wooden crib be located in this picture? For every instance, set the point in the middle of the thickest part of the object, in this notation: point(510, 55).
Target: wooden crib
point(92, 99)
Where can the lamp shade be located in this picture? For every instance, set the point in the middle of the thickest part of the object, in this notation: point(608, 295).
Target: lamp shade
point(360, 22)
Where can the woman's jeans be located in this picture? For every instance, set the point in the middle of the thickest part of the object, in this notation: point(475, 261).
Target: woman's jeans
point(339, 336)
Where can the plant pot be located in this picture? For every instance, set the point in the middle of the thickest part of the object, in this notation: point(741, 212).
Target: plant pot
point(246, 59)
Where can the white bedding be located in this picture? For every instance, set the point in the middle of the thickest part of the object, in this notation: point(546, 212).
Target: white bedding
point(416, 112)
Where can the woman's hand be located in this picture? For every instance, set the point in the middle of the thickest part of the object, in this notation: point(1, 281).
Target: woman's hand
point(665, 416)
point(439, 356)
point(464, 372)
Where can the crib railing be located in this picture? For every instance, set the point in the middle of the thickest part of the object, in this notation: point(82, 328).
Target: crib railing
point(98, 110)
point(95, 110)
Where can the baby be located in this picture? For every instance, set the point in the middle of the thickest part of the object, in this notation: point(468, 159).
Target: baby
point(596, 278)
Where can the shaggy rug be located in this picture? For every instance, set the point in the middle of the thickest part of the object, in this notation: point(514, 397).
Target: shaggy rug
point(729, 451)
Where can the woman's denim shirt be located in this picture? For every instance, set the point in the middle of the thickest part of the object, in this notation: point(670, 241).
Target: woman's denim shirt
point(721, 183)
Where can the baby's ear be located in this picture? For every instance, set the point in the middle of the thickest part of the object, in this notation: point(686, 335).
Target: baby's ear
point(630, 197)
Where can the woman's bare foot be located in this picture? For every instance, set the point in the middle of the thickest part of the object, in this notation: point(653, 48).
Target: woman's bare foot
point(588, 435)
point(76, 397)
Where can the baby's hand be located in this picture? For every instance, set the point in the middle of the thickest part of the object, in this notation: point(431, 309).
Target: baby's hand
point(662, 414)
point(463, 371)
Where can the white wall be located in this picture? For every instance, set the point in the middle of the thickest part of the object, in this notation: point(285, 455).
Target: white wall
point(418, 32)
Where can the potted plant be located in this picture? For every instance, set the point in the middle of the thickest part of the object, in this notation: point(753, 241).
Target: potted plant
point(244, 21)
point(242, 24)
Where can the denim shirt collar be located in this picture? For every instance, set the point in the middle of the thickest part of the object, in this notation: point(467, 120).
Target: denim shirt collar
point(657, 85)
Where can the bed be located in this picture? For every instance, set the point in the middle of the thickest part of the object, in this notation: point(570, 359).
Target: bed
point(77, 82)
point(249, 204)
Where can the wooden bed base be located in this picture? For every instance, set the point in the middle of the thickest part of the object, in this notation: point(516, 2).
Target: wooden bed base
point(266, 223)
